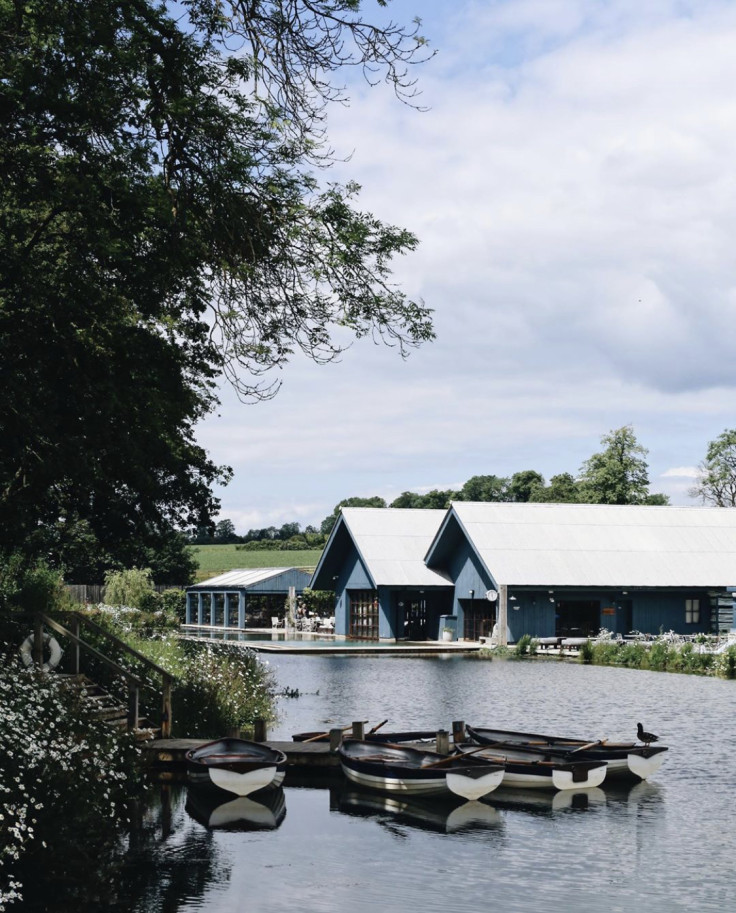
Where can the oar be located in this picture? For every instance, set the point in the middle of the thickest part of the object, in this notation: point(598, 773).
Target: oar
point(456, 757)
point(587, 746)
point(321, 735)
point(376, 728)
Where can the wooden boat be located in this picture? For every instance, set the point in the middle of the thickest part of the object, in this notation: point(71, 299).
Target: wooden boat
point(531, 771)
point(625, 760)
point(395, 768)
point(236, 814)
point(236, 766)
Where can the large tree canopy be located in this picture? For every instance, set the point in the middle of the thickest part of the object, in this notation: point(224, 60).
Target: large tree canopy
point(619, 474)
point(716, 482)
point(161, 225)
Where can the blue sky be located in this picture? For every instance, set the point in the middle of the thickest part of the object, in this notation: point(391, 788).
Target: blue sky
point(573, 187)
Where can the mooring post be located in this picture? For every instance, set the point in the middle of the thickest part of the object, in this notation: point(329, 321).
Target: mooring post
point(358, 729)
point(458, 731)
point(335, 739)
point(260, 730)
point(443, 741)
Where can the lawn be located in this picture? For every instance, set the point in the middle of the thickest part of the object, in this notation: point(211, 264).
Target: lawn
point(217, 559)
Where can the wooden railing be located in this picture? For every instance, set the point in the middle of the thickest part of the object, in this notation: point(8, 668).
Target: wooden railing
point(135, 684)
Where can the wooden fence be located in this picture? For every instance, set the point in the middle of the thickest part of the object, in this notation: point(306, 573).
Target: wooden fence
point(91, 593)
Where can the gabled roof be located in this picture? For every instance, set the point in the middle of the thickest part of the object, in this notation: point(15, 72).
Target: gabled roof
point(391, 543)
point(242, 579)
point(588, 545)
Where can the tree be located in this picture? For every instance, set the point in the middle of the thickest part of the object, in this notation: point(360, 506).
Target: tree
point(485, 488)
point(225, 532)
point(161, 225)
point(524, 484)
point(619, 474)
point(716, 483)
point(563, 488)
point(431, 500)
point(329, 521)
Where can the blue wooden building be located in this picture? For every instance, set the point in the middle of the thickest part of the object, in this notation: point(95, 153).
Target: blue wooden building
point(243, 598)
point(374, 561)
point(549, 570)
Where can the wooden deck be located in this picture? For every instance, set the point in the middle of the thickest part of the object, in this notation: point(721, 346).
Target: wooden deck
point(170, 753)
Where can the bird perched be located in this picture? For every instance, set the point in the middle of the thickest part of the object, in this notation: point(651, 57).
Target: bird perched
point(646, 737)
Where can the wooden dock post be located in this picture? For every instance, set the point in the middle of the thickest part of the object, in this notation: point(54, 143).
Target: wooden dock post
point(335, 739)
point(443, 741)
point(458, 731)
point(503, 616)
point(260, 730)
point(358, 729)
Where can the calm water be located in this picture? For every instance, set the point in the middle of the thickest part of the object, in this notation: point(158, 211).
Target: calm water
point(668, 845)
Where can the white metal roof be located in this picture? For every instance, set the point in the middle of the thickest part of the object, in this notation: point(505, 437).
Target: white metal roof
point(393, 543)
point(603, 545)
point(242, 578)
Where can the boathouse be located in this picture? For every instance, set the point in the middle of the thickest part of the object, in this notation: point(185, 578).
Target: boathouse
point(243, 598)
point(549, 570)
point(374, 561)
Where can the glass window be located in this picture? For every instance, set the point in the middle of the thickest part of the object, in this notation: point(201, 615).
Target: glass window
point(692, 611)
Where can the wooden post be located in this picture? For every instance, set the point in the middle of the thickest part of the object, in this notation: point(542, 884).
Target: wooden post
point(358, 729)
point(132, 706)
point(166, 708)
point(335, 739)
point(458, 731)
point(38, 641)
point(292, 606)
point(503, 615)
point(75, 646)
point(443, 741)
point(260, 730)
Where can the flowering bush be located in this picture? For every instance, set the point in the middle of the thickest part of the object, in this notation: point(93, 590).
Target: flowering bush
point(58, 766)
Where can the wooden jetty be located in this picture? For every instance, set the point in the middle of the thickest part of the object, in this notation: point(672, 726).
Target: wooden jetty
point(162, 755)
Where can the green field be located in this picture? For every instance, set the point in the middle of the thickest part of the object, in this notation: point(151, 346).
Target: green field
point(218, 559)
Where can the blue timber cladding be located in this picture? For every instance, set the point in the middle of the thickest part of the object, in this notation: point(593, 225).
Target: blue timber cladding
point(353, 575)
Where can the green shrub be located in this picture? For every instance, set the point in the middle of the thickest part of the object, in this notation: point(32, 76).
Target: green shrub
point(633, 655)
point(132, 587)
point(174, 603)
point(586, 652)
point(658, 658)
point(220, 687)
point(62, 773)
point(725, 663)
point(605, 653)
point(523, 644)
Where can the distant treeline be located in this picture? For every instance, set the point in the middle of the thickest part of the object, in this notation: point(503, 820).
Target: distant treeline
point(619, 474)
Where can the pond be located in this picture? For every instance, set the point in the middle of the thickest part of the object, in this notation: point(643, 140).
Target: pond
point(667, 845)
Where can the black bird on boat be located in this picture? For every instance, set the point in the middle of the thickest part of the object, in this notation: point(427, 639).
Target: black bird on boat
point(646, 737)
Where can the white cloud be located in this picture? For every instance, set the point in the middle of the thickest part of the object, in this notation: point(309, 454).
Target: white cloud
point(681, 472)
point(574, 190)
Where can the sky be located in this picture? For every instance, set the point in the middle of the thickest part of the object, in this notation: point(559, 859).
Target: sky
point(573, 187)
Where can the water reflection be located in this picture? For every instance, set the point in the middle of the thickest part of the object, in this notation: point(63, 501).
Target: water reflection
point(445, 816)
point(240, 814)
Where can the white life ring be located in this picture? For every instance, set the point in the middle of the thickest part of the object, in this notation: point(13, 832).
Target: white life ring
point(26, 651)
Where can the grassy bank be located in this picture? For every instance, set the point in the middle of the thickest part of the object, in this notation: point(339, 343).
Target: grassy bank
point(218, 559)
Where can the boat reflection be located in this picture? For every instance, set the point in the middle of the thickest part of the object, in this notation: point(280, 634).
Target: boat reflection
point(239, 814)
point(538, 801)
point(443, 815)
